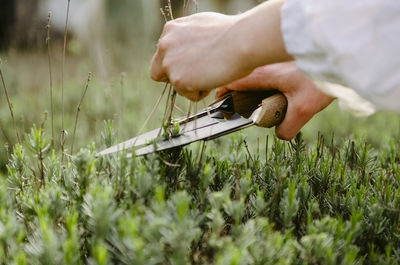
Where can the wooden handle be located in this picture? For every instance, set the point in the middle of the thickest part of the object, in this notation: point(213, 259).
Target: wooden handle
point(273, 110)
point(273, 106)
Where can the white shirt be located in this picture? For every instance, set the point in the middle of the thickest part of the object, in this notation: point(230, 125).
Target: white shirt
point(353, 44)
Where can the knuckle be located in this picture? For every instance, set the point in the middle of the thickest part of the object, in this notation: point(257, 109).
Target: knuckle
point(162, 45)
point(196, 96)
point(192, 97)
point(154, 72)
point(153, 75)
point(177, 83)
point(167, 62)
point(168, 26)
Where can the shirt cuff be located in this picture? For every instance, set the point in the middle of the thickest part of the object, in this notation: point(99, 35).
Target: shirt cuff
point(349, 100)
point(311, 60)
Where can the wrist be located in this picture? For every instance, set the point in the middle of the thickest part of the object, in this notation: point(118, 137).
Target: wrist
point(259, 36)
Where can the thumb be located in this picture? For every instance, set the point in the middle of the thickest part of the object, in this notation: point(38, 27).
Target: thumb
point(296, 117)
point(219, 92)
point(260, 79)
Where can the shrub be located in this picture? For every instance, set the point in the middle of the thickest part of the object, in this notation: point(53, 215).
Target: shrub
point(312, 204)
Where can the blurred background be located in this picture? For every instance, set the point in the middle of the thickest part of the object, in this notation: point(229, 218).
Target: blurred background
point(115, 40)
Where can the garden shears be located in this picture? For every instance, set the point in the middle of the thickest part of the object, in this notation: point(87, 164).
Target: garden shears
point(232, 112)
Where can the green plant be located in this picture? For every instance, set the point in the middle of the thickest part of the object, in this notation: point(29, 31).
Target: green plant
point(314, 206)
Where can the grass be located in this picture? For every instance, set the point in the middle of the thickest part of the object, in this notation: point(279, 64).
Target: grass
point(317, 204)
point(331, 196)
point(311, 201)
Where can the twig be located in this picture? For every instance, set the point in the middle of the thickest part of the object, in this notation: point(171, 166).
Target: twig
point(78, 109)
point(179, 109)
point(50, 78)
point(62, 83)
point(9, 105)
point(266, 149)
point(151, 113)
point(203, 147)
point(185, 5)
point(200, 156)
point(168, 163)
point(170, 10)
point(196, 5)
point(187, 115)
point(166, 108)
point(188, 4)
point(164, 15)
point(42, 179)
point(167, 105)
point(195, 118)
point(171, 110)
point(248, 152)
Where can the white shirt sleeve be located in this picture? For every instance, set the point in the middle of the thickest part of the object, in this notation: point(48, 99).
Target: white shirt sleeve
point(350, 43)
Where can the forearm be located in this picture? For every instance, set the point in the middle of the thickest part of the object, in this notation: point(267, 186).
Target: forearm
point(261, 39)
point(208, 50)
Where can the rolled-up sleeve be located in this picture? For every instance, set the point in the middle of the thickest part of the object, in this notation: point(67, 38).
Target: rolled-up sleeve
point(354, 44)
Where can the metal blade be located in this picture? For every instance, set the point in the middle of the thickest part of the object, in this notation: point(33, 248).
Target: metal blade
point(187, 124)
point(136, 141)
point(215, 129)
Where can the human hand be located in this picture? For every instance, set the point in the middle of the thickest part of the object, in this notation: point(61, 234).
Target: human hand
point(207, 50)
point(304, 98)
point(193, 54)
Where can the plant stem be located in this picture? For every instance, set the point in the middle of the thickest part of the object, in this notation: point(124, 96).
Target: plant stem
point(185, 5)
point(50, 78)
point(266, 149)
point(170, 10)
point(78, 109)
point(62, 83)
point(196, 6)
point(9, 104)
point(171, 110)
point(42, 179)
point(164, 15)
point(248, 152)
point(166, 108)
point(122, 83)
point(152, 112)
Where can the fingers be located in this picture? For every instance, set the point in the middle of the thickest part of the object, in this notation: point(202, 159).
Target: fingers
point(193, 96)
point(304, 98)
point(297, 115)
point(157, 71)
point(262, 78)
point(220, 92)
point(301, 108)
point(259, 79)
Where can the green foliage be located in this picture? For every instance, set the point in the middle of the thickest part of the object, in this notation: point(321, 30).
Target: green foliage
point(303, 204)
